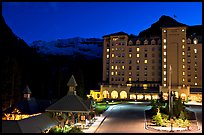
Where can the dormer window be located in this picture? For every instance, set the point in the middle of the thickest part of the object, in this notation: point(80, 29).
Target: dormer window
point(188, 41)
point(130, 42)
point(138, 42)
point(153, 42)
point(145, 42)
point(195, 41)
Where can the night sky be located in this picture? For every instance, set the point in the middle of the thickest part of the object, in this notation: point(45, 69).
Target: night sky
point(59, 20)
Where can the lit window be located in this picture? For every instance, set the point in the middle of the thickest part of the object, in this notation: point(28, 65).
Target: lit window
point(112, 73)
point(138, 61)
point(196, 83)
point(112, 67)
point(183, 53)
point(165, 66)
point(183, 40)
point(195, 50)
point(116, 48)
point(145, 61)
point(183, 66)
point(164, 59)
point(130, 55)
point(164, 30)
point(164, 53)
point(164, 72)
point(138, 55)
point(138, 49)
point(183, 60)
point(183, 46)
point(196, 77)
point(112, 49)
point(116, 67)
point(107, 50)
point(123, 67)
point(113, 55)
point(116, 73)
point(183, 85)
point(145, 86)
point(195, 41)
point(164, 46)
point(164, 40)
point(165, 79)
point(183, 73)
point(130, 79)
point(183, 79)
point(107, 56)
point(183, 30)
point(164, 84)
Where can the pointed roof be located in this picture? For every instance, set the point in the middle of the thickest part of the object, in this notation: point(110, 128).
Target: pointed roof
point(27, 90)
point(69, 103)
point(72, 81)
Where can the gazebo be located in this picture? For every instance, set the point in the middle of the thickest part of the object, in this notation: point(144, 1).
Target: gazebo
point(71, 108)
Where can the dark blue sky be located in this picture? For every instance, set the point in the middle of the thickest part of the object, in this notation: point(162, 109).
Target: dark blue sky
point(58, 20)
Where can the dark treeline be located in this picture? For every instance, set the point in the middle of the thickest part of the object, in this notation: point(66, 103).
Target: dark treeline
point(46, 75)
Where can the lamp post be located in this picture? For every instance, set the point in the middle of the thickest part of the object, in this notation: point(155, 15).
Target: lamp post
point(170, 99)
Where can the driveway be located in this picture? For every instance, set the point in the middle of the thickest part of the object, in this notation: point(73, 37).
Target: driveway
point(125, 118)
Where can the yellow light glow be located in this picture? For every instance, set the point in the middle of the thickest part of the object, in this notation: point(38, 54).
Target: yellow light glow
point(195, 50)
point(183, 73)
point(164, 31)
point(108, 50)
point(116, 67)
point(183, 66)
point(107, 56)
point(112, 73)
point(164, 46)
point(183, 46)
point(123, 67)
point(196, 83)
point(145, 61)
point(164, 40)
point(165, 53)
point(164, 65)
point(138, 49)
point(164, 78)
point(164, 72)
point(183, 53)
point(112, 67)
point(130, 55)
point(138, 61)
point(164, 59)
point(183, 60)
point(183, 79)
point(113, 55)
point(183, 40)
point(129, 79)
point(164, 84)
point(138, 55)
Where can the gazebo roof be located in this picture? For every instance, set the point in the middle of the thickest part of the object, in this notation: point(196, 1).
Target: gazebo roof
point(27, 90)
point(69, 103)
point(72, 81)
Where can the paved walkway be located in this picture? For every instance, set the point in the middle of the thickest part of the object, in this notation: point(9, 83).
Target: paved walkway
point(98, 122)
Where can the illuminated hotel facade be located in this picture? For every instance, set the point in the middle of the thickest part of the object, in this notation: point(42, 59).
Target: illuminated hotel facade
point(138, 68)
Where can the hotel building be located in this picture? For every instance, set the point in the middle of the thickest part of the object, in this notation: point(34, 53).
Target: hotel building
point(138, 68)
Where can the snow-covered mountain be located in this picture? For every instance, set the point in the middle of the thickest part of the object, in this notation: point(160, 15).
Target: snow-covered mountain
point(89, 47)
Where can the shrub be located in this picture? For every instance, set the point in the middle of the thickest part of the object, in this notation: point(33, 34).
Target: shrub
point(182, 115)
point(158, 118)
point(75, 130)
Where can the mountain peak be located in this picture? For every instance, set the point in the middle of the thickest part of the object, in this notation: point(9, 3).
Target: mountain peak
point(155, 29)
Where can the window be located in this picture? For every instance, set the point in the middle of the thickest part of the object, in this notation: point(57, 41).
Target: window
point(130, 73)
point(108, 50)
point(189, 80)
point(183, 53)
point(195, 41)
point(123, 67)
point(164, 72)
point(165, 53)
point(116, 73)
point(164, 59)
point(130, 55)
point(138, 49)
point(183, 66)
point(138, 61)
point(165, 79)
point(182, 30)
point(188, 54)
point(145, 55)
point(189, 48)
point(189, 61)
point(153, 61)
point(145, 68)
point(145, 74)
point(183, 85)
point(130, 67)
point(130, 49)
point(112, 67)
point(164, 46)
point(123, 55)
point(183, 40)
point(183, 79)
point(164, 65)
point(164, 31)
point(138, 68)
point(138, 55)
point(113, 55)
point(183, 73)
point(164, 84)
point(183, 46)
point(196, 83)
point(112, 49)
point(112, 73)
point(164, 40)
point(183, 60)
point(153, 55)
point(129, 79)
point(116, 67)
point(145, 61)
point(138, 73)
point(107, 56)
point(130, 61)
point(195, 50)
